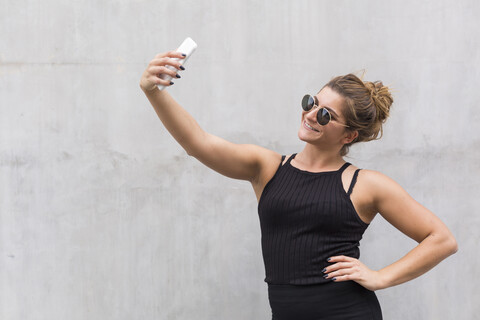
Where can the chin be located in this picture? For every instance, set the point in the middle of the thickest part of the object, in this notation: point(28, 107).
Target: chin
point(302, 135)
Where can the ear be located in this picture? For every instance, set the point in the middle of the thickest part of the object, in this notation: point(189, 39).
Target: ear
point(350, 136)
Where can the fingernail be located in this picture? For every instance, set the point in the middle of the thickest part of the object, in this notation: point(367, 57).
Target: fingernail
point(183, 54)
point(329, 259)
point(333, 279)
point(171, 82)
point(325, 276)
point(325, 269)
point(177, 75)
point(182, 67)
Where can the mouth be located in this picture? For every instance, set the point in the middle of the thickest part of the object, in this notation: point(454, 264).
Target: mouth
point(309, 127)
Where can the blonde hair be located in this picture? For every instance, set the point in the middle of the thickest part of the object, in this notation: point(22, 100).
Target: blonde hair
point(367, 106)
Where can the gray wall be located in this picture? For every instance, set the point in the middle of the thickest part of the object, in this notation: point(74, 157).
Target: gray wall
point(104, 216)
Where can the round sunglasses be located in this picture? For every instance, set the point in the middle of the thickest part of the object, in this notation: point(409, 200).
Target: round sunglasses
point(323, 115)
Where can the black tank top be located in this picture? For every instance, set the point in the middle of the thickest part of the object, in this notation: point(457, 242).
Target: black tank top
point(305, 218)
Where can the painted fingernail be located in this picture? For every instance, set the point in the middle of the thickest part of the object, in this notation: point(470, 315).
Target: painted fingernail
point(325, 276)
point(182, 67)
point(171, 82)
point(183, 54)
point(324, 269)
point(333, 279)
point(177, 75)
point(329, 259)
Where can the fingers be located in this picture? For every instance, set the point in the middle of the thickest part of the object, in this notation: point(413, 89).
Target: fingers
point(345, 277)
point(158, 70)
point(344, 268)
point(341, 273)
point(162, 64)
point(340, 258)
point(338, 266)
point(151, 78)
point(168, 58)
point(159, 81)
point(171, 54)
point(167, 62)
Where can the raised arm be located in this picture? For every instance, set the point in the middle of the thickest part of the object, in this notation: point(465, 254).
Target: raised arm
point(239, 161)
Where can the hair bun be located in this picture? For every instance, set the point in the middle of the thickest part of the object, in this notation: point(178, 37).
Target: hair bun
point(382, 99)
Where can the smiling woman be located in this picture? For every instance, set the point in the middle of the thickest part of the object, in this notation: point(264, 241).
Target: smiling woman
point(314, 206)
point(322, 114)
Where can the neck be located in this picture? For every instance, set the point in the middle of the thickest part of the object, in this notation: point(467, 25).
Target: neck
point(319, 158)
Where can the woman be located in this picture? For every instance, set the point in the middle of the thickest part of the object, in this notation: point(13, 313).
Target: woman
point(313, 206)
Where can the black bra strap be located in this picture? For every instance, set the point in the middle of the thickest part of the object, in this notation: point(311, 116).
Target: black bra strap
point(281, 162)
point(291, 158)
point(342, 168)
point(354, 180)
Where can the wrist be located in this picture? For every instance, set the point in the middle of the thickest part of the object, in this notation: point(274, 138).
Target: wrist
point(150, 90)
point(383, 278)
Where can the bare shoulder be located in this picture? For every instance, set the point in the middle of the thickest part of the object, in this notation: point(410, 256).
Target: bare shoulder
point(401, 210)
point(377, 182)
point(364, 190)
point(263, 156)
point(265, 160)
point(269, 161)
point(373, 176)
point(375, 189)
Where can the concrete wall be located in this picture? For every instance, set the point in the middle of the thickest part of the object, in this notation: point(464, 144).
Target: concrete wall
point(104, 216)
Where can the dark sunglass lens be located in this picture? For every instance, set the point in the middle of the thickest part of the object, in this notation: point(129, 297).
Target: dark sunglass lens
point(323, 116)
point(307, 102)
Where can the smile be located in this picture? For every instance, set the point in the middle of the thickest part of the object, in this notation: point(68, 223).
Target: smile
point(309, 127)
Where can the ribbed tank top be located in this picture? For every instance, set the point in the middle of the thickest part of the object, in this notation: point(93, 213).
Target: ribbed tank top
point(305, 218)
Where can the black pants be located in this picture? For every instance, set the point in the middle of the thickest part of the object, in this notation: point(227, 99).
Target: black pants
point(332, 300)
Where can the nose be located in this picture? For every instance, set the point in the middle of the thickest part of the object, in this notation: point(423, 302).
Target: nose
point(312, 114)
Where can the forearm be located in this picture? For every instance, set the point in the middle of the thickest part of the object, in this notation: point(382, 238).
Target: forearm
point(427, 254)
point(238, 161)
point(181, 125)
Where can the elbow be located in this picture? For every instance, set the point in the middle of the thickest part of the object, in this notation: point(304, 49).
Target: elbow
point(190, 153)
point(190, 147)
point(191, 150)
point(445, 243)
point(447, 240)
point(194, 146)
point(449, 243)
point(452, 245)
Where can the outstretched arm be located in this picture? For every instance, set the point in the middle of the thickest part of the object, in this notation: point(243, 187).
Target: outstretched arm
point(239, 161)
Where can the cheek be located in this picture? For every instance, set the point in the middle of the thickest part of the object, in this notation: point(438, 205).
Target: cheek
point(302, 117)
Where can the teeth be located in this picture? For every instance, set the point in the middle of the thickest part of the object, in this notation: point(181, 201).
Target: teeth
point(309, 126)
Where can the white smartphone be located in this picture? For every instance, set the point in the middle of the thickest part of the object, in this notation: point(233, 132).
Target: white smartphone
point(187, 47)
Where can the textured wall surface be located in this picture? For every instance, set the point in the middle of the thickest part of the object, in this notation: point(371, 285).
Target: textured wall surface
point(104, 216)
